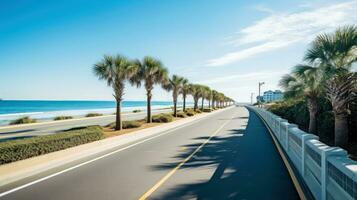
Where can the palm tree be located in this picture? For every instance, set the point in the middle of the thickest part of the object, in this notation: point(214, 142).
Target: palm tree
point(209, 98)
point(175, 85)
point(184, 91)
point(214, 98)
point(305, 81)
point(151, 72)
point(335, 53)
point(204, 94)
point(115, 70)
point(195, 91)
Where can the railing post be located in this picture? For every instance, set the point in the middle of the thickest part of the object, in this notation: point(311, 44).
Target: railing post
point(279, 133)
point(330, 151)
point(305, 137)
point(288, 126)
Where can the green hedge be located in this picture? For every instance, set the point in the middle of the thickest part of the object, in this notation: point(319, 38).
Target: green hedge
point(296, 111)
point(15, 150)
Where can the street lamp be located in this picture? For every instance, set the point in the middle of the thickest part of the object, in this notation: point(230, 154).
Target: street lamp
point(260, 84)
point(251, 98)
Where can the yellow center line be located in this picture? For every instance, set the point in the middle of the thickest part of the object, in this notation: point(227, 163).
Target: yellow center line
point(167, 176)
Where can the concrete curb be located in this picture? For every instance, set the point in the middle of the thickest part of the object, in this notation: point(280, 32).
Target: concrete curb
point(16, 171)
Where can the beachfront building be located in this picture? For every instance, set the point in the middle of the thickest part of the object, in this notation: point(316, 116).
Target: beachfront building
point(271, 96)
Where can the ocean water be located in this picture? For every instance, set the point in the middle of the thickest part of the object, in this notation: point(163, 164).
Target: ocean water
point(47, 110)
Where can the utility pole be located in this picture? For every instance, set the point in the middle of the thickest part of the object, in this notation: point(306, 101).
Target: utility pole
point(260, 84)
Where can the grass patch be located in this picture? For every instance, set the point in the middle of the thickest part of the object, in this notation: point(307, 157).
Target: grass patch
point(207, 110)
point(190, 112)
point(62, 118)
point(162, 118)
point(25, 148)
point(93, 114)
point(181, 114)
point(136, 111)
point(23, 120)
point(198, 111)
point(128, 124)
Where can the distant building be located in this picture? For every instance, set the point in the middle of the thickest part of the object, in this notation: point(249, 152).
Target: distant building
point(271, 96)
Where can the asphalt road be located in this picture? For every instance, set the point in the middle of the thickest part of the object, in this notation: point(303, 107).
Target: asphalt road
point(30, 130)
point(228, 155)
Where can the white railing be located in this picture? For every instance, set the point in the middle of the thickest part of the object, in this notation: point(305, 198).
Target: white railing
point(327, 171)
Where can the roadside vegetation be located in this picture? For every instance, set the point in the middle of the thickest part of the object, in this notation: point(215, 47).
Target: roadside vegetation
point(320, 93)
point(25, 148)
point(93, 115)
point(128, 124)
point(62, 118)
point(136, 111)
point(162, 118)
point(23, 120)
point(117, 70)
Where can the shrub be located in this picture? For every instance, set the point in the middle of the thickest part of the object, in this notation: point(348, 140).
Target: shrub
point(128, 124)
point(181, 114)
point(23, 120)
point(93, 114)
point(190, 112)
point(198, 111)
point(136, 111)
point(162, 118)
point(207, 110)
point(131, 124)
point(25, 148)
point(62, 118)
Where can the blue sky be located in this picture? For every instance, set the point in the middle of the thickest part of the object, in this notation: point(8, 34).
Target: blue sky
point(47, 48)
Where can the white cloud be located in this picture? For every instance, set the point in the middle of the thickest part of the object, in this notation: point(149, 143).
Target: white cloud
point(280, 30)
point(253, 76)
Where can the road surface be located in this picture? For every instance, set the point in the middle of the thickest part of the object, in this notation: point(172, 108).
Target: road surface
point(30, 130)
point(228, 155)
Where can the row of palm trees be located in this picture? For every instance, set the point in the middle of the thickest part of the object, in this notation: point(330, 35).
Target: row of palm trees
point(327, 72)
point(117, 70)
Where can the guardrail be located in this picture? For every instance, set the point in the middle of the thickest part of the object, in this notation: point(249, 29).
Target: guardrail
point(327, 171)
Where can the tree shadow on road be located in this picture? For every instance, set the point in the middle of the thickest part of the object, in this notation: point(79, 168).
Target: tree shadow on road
point(245, 165)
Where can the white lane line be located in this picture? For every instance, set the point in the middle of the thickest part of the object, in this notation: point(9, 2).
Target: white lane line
point(95, 159)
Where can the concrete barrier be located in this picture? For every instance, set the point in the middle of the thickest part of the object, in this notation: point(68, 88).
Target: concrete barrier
point(327, 171)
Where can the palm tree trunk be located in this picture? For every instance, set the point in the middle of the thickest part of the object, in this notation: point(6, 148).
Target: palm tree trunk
point(195, 106)
point(202, 103)
point(184, 102)
point(175, 107)
point(118, 123)
point(341, 130)
point(209, 103)
point(148, 109)
point(312, 106)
